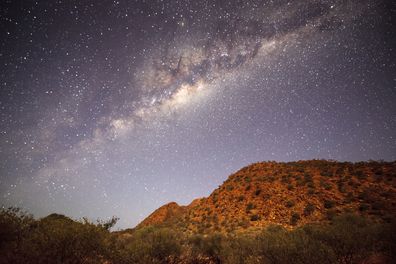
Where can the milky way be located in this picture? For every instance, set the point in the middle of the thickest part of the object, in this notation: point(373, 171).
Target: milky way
point(117, 107)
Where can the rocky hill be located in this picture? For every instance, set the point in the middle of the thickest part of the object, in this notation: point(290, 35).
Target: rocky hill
point(290, 194)
point(165, 214)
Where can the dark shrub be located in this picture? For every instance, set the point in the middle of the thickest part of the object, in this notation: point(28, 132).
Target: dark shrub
point(277, 245)
point(250, 206)
point(255, 218)
point(294, 218)
point(328, 204)
point(309, 209)
point(290, 203)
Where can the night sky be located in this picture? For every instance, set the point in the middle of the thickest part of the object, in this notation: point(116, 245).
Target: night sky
point(118, 107)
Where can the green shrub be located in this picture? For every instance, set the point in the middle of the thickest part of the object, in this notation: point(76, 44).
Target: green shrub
point(58, 239)
point(53, 239)
point(212, 246)
point(352, 238)
point(277, 245)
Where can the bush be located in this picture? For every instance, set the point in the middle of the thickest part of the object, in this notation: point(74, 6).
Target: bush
point(212, 246)
point(148, 245)
point(360, 175)
point(255, 218)
point(352, 238)
point(331, 214)
point(311, 185)
point(311, 191)
point(309, 209)
point(277, 245)
point(328, 204)
point(53, 239)
point(290, 204)
point(250, 206)
point(294, 218)
point(59, 239)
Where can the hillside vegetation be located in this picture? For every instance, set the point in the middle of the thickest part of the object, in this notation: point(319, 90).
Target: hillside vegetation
point(299, 212)
point(290, 194)
point(58, 239)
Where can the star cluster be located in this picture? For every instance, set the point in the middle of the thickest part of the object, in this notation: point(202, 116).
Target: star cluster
point(117, 107)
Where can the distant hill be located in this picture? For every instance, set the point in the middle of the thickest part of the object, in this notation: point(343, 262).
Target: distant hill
point(165, 214)
point(290, 194)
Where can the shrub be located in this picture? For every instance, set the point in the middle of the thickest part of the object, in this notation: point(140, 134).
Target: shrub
point(311, 191)
point(311, 185)
point(328, 204)
point(325, 185)
point(331, 214)
point(307, 177)
point(212, 246)
point(244, 223)
point(255, 217)
point(294, 218)
point(290, 203)
point(53, 239)
point(377, 206)
point(341, 187)
point(360, 175)
point(249, 206)
point(271, 178)
point(277, 245)
point(285, 179)
point(327, 173)
point(365, 195)
point(351, 238)
point(309, 209)
point(150, 245)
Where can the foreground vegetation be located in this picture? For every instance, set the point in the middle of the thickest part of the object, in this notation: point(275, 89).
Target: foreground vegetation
point(58, 239)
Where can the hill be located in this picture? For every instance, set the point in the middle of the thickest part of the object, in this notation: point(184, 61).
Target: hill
point(297, 212)
point(290, 194)
point(165, 214)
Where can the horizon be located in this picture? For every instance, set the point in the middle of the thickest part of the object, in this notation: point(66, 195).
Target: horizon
point(116, 108)
point(118, 228)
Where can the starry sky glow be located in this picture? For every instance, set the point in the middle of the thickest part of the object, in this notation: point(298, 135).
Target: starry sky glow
point(118, 107)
